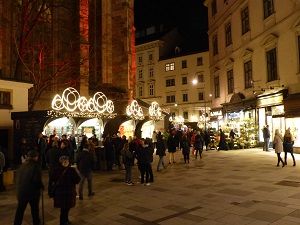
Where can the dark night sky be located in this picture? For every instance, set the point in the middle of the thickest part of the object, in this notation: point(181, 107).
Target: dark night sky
point(189, 15)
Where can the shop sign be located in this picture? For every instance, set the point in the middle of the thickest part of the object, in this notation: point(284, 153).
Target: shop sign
point(272, 100)
point(216, 113)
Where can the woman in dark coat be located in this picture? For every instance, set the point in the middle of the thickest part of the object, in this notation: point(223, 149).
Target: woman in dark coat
point(288, 142)
point(172, 147)
point(185, 145)
point(65, 191)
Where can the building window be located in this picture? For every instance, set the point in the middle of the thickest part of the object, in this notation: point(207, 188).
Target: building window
point(268, 8)
point(272, 65)
point(140, 74)
point(140, 91)
point(150, 57)
point(200, 78)
point(170, 67)
point(185, 97)
point(228, 34)
point(184, 80)
point(183, 64)
point(248, 74)
point(230, 81)
point(185, 115)
point(170, 98)
point(214, 7)
point(201, 96)
point(151, 89)
point(199, 61)
point(217, 87)
point(151, 72)
point(215, 45)
point(170, 82)
point(5, 100)
point(140, 59)
point(245, 21)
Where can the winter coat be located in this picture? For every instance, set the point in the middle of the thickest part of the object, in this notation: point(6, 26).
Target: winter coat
point(278, 141)
point(109, 150)
point(171, 144)
point(198, 142)
point(142, 154)
point(85, 162)
point(288, 144)
point(128, 157)
point(65, 192)
point(185, 145)
point(160, 147)
point(29, 181)
point(52, 158)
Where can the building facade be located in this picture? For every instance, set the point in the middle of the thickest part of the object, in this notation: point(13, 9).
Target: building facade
point(254, 63)
point(178, 81)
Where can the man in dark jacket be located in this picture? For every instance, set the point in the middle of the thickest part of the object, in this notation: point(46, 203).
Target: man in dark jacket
point(29, 185)
point(142, 155)
point(85, 164)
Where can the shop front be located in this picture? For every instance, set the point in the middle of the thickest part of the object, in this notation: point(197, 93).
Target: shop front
point(240, 117)
point(292, 118)
point(271, 111)
point(216, 118)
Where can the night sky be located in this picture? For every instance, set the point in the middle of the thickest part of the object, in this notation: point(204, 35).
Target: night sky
point(189, 15)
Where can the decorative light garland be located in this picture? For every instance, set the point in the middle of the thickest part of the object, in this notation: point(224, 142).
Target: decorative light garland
point(155, 111)
point(177, 120)
point(80, 106)
point(71, 100)
point(134, 111)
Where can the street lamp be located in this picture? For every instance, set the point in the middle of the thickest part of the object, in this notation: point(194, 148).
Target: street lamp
point(199, 77)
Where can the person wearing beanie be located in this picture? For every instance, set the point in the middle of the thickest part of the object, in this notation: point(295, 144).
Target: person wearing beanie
point(29, 185)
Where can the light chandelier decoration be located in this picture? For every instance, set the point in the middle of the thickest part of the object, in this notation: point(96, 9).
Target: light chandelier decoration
point(177, 120)
point(155, 111)
point(134, 111)
point(79, 106)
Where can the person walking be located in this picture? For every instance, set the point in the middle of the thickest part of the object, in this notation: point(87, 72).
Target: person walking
point(278, 142)
point(128, 161)
point(64, 197)
point(266, 135)
point(186, 146)
point(172, 147)
point(29, 185)
point(154, 139)
point(142, 155)
point(85, 165)
point(206, 140)
point(288, 142)
point(198, 144)
point(160, 150)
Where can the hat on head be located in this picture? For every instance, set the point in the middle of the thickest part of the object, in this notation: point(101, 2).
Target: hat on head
point(32, 154)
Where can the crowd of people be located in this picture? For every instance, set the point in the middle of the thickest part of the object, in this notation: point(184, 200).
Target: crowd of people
point(57, 155)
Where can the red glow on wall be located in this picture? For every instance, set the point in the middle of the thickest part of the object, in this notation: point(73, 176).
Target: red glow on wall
point(84, 18)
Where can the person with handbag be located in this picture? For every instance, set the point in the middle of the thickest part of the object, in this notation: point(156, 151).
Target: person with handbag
point(288, 142)
point(66, 178)
point(278, 146)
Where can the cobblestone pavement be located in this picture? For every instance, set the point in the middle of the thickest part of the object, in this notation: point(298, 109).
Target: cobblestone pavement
point(226, 187)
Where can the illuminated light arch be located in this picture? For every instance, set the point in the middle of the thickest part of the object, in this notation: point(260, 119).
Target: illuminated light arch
point(135, 111)
point(71, 101)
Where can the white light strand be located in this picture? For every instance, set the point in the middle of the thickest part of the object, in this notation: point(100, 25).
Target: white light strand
point(71, 100)
point(155, 111)
point(134, 111)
